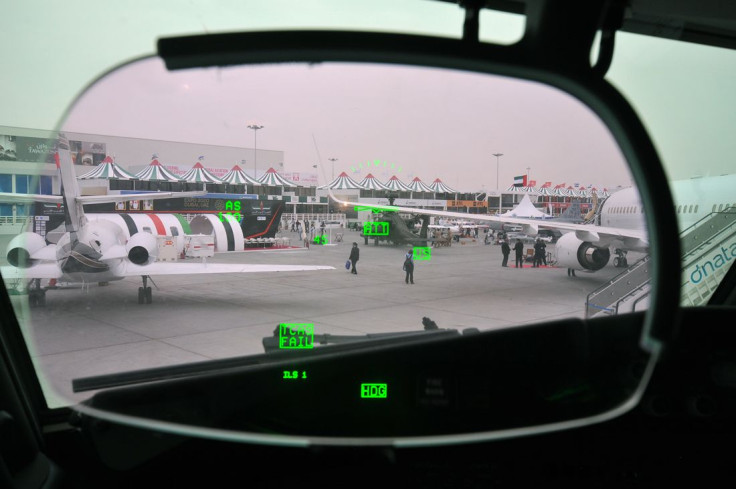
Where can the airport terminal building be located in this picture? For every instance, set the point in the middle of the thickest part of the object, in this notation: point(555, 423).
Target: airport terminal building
point(27, 166)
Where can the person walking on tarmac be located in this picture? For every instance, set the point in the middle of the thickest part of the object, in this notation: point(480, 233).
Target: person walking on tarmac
point(409, 267)
point(543, 248)
point(519, 249)
point(537, 253)
point(506, 250)
point(354, 256)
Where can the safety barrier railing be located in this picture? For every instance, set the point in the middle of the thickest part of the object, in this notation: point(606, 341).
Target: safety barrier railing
point(608, 297)
point(708, 246)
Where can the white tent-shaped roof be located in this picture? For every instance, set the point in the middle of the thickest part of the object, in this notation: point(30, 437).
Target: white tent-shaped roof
point(559, 190)
point(439, 186)
point(371, 183)
point(237, 176)
point(418, 186)
point(525, 209)
point(395, 184)
point(578, 192)
point(271, 177)
point(342, 182)
point(156, 172)
point(198, 174)
point(107, 169)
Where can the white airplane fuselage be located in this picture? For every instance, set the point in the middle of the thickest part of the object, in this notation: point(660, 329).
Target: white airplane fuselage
point(694, 199)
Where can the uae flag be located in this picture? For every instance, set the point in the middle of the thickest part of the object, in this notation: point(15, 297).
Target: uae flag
point(520, 181)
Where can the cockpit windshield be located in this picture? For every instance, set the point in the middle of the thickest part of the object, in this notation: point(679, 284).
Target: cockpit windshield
point(371, 202)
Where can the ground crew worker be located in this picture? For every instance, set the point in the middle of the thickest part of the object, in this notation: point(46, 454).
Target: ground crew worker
point(519, 249)
point(506, 250)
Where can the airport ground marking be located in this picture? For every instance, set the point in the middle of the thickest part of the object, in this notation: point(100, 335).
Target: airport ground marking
point(422, 253)
point(375, 228)
point(374, 391)
point(296, 336)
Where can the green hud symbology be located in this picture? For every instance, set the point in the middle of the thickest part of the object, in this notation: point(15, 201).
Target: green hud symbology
point(422, 253)
point(294, 374)
point(320, 239)
point(296, 336)
point(375, 229)
point(375, 210)
point(373, 391)
point(232, 208)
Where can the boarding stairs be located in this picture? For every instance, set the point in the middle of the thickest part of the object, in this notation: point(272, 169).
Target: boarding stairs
point(704, 263)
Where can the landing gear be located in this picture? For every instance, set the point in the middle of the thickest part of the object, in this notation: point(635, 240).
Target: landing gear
point(37, 298)
point(36, 295)
point(620, 261)
point(145, 293)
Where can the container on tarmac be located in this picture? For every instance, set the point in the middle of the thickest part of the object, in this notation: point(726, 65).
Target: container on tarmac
point(166, 248)
point(199, 245)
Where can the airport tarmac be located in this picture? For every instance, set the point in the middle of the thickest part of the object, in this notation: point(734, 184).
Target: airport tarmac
point(103, 329)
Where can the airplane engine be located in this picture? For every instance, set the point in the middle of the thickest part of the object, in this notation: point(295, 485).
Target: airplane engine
point(577, 254)
point(22, 247)
point(142, 248)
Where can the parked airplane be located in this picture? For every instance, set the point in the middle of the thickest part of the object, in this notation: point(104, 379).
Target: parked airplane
point(618, 224)
point(99, 251)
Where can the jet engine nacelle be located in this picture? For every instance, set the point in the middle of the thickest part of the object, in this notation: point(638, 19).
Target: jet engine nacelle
point(142, 248)
point(22, 247)
point(577, 254)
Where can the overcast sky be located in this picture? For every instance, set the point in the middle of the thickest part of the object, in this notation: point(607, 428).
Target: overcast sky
point(683, 92)
point(373, 118)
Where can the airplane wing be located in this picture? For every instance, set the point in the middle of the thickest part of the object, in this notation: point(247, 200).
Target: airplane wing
point(42, 270)
point(584, 232)
point(101, 199)
point(11, 198)
point(47, 254)
point(163, 268)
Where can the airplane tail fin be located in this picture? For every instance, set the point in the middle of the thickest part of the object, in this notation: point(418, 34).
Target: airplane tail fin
point(73, 211)
point(591, 214)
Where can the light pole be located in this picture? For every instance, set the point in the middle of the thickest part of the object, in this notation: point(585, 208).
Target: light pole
point(527, 174)
point(333, 160)
point(497, 155)
point(255, 128)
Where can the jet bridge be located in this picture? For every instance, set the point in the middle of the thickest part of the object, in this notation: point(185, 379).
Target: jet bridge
point(708, 247)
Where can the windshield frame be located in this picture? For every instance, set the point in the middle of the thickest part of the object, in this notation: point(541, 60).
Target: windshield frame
point(596, 94)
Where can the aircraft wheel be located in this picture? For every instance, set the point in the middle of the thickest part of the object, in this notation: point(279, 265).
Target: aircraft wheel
point(141, 295)
point(149, 295)
point(617, 262)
